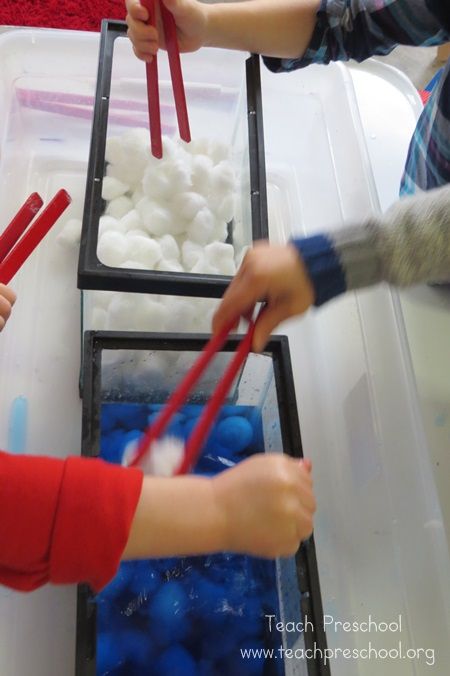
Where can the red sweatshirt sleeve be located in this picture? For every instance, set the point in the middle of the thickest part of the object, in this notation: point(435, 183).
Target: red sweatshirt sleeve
point(63, 521)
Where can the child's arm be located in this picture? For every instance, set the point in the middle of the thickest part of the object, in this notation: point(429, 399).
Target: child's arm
point(282, 28)
point(68, 521)
point(409, 244)
point(263, 506)
point(7, 300)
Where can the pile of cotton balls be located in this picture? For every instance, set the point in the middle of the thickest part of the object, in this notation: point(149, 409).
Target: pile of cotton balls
point(168, 214)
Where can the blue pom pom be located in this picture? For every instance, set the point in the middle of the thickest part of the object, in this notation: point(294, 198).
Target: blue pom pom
point(108, 420)
point(109, 653)
point(168, 613)
point(136, 646)
point(234, 433)
point(111, 446)
point(176, 661)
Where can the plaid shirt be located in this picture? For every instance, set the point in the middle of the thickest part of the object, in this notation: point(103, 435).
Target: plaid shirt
point(411, 243)
point(357, 29)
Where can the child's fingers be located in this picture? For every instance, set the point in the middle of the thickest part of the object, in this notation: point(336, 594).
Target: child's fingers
point(238, 301)
point(307, 464)
point(136, 10)
point(7, 293)
point(273, 315)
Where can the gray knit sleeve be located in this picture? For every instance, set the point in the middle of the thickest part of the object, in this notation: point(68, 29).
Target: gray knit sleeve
point(409, 244)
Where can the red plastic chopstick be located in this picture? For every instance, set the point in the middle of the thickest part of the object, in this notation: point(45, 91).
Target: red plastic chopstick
point(173, 52)
point(19, 253)
point(154, 112)
point(19, 223)
point(211, 410)
point(170, 34)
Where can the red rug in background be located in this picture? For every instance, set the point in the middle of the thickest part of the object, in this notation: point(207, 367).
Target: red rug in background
point(68, 14)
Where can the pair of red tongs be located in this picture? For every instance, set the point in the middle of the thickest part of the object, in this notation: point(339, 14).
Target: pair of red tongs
point(173, 52)
point(16, 244)
point(200, 432)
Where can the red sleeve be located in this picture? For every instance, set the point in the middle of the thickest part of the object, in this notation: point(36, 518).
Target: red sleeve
point(63, 521)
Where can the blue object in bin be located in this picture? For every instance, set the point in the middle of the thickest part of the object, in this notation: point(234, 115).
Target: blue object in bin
point(234, 433)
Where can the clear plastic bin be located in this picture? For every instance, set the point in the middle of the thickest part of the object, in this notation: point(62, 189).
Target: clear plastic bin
point(126, 380)
point(204, 193)
point(380, 537)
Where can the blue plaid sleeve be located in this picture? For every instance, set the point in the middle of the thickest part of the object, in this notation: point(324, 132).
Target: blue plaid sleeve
point(357, 29)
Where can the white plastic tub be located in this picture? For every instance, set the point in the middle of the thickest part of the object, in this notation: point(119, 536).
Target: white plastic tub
point(381, 544)
point(379, 534)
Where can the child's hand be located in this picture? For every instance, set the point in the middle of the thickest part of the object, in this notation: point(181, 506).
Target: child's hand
point(267, 504)
point(268, 272)
point(7, 300)
point(190, 18)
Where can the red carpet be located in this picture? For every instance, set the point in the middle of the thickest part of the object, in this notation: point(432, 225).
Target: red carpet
point(68, 14)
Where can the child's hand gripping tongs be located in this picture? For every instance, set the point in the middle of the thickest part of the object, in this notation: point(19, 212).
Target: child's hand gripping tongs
point(17, 243)
point(201, 430)
point(173, 52)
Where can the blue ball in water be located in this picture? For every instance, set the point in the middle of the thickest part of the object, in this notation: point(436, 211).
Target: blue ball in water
point(176, 661)
point(168, 613)
point(234, 433)
point(109, 653)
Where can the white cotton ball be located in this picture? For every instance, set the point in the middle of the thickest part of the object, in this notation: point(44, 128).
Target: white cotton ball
point(120, 172)
point(202, 167)
point(137, 154)
point(190, 253)
point(169, 247)
point(131, 221)
point(186, 205)
point(218, 151)
point(111, 248)
point(144, 250)
point(171, 149)
point(138, 233)
point(165, 265)
point(226, 208)
point(119, 207)
point(132, 265)
point(112, 188)
point(201, 228)
point(98, 299)
point(129, 452)
point(157, 220)
point(137, 195)
point(122, 312)
point(114, 150)
point(156, 315)
point(199, 146)
point(179, 174)
point(204, 267)
point(221, 256)
point(70, 235)
point(164, 457)
point(222, 178)
point(181, 315)
point(109, 224)
point(156, 184)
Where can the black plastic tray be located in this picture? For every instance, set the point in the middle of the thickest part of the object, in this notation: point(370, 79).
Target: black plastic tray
point(92, 274)
point(305, 559)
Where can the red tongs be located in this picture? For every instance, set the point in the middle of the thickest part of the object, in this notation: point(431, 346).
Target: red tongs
point(170, 35)
point(200, 432)
point(16, 244)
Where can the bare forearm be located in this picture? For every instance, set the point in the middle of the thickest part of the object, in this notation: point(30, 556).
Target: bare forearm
point(175, 517)
point(280, 28)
